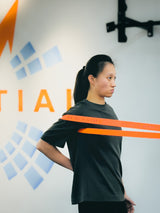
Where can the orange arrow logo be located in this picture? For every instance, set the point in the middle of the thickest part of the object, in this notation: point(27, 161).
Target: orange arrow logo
point(7, 27)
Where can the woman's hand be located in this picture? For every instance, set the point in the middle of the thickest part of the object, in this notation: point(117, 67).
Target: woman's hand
point(129, 203)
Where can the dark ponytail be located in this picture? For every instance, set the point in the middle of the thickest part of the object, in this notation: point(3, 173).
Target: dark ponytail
point(81, 86)
point(94, 66)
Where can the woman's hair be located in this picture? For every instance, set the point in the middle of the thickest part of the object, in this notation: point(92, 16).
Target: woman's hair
point(94, 66)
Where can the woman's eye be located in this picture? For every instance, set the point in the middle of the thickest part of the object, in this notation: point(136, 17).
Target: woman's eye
point(109, 78)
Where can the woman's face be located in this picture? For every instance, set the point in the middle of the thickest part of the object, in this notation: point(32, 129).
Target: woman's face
point(104, 83)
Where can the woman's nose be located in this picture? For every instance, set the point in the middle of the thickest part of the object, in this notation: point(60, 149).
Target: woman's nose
point(113, 83)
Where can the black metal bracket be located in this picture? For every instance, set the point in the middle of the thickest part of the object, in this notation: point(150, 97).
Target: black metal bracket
point(124, 22)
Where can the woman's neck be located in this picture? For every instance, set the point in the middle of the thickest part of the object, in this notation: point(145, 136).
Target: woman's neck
point(95, 99)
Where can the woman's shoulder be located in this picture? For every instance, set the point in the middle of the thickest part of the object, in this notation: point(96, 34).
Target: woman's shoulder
point(77, 109)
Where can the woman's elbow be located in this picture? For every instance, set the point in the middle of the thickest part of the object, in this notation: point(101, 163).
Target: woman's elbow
point(40, 145)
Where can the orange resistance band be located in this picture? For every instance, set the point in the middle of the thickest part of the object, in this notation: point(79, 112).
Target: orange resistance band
point(112, 132)
point(118, 123)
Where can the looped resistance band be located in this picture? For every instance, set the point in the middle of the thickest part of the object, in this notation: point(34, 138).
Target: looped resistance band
point(117, 123)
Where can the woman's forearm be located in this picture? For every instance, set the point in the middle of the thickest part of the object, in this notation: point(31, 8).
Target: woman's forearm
point(54, 154)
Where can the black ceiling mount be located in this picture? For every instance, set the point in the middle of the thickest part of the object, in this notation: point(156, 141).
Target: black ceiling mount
point(124, 22)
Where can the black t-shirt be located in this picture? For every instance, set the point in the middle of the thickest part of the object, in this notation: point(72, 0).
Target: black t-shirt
point(97, 169)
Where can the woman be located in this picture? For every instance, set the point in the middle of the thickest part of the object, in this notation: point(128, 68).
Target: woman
point(94, 159)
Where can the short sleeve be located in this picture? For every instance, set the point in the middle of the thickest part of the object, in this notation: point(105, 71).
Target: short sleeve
point(59, 132)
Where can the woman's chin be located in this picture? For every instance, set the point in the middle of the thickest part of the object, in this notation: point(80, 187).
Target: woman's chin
point(108, 96)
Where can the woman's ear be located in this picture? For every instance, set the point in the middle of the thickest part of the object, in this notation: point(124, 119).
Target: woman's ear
point(91, 79)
